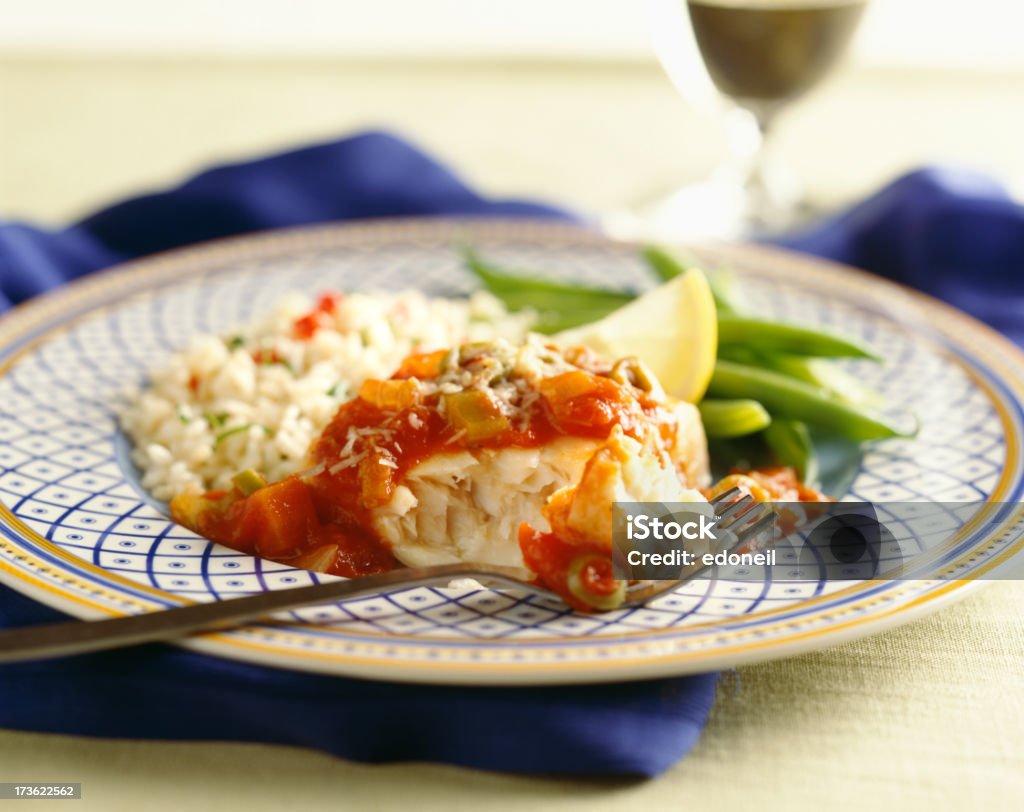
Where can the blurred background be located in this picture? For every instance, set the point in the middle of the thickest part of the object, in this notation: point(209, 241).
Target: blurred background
point(559, 99)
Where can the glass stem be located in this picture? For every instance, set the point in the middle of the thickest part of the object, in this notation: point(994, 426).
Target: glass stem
point(768, 195)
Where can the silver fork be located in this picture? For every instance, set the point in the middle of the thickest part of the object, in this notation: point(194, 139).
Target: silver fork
point(738, 514)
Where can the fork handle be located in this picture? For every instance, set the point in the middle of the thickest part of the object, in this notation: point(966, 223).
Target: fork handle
point(79, 637)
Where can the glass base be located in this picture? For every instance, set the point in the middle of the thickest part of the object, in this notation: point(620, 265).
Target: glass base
point(720, 208)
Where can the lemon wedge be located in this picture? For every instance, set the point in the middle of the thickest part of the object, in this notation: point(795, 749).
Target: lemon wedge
point(673, 329)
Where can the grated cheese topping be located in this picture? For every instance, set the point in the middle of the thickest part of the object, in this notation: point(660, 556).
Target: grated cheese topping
point(508, 374)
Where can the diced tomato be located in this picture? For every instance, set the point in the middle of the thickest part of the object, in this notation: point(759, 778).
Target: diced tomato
point(774, 483)
point(782, 482)
point(391, 395)
point(280, 517)
point(422, 365)
point(567, 386)
point(536, 553)
point(328, 301)
point(582, 575)
point(548, 557)
point(579, 401)
point(358, 553)
point(598, 577)
point(306, 326)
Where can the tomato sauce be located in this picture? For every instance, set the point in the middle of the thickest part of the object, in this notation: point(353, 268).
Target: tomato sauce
point(776, 483)
point(323, 520)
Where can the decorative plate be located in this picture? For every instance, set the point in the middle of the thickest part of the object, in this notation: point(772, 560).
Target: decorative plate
point(79, 534)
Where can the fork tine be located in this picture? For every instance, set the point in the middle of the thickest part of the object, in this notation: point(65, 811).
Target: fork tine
point(725, 497)
point(766, 520)
point(735, 511)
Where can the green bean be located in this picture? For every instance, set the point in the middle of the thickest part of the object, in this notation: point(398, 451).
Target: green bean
point(723, 289)
point(560, 305)
point(821, 372)
point(732, 418)
point(665, 264)
point(528, 291)
point(742, 355)
point(785, 397)
point(568, 304)
point(557, 318)
point(790, 442)
point(770, 336)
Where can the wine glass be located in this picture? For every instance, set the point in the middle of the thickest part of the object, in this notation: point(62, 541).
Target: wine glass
point(759, 55)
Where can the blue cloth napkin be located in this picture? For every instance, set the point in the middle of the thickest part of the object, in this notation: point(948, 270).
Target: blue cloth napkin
point(954, 234)
point(164, 692)
point(368, 175)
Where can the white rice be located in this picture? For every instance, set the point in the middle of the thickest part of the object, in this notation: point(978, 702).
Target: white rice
point(242, 414)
